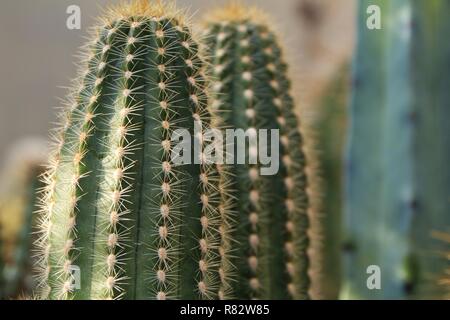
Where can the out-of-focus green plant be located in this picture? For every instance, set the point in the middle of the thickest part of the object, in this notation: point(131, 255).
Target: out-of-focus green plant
point(398, 177)
point(330, 125)
point(18, 193)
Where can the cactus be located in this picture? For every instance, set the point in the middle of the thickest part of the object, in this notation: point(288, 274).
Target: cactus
point(251, 92)
point(18, 201)
point(331, 124)
point(398, 177)
point(115, 206)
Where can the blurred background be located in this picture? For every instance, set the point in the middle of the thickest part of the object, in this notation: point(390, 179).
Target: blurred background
point(37, 59)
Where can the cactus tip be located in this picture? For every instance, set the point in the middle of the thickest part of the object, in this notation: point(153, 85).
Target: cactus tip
point(145, 8)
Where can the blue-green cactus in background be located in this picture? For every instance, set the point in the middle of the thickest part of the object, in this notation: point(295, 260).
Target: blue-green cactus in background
point(398, 178)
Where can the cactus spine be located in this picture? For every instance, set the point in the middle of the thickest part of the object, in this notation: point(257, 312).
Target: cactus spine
point(398, 177)
point(252, 92)
point(137, 226)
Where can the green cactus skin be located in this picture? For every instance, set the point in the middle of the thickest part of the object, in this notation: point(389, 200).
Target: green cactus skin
point(331, 126)
point(398, 177)
point(252, 91)
point(115, 206)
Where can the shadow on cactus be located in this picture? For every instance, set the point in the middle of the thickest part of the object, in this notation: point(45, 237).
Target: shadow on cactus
point(331, 123)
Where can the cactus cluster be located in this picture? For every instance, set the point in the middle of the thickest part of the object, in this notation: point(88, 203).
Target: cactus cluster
point(115, 206)
point(397, 168)
point(119, 219)
point(251, 91)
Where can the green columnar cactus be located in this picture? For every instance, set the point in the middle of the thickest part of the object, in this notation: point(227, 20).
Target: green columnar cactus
point(398, 177)
point(116, 207)
point(19, 280)
point(18, 200)
point(331, 125)
point(252, 92)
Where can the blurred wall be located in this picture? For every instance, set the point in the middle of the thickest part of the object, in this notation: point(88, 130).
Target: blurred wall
point(36, 56)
